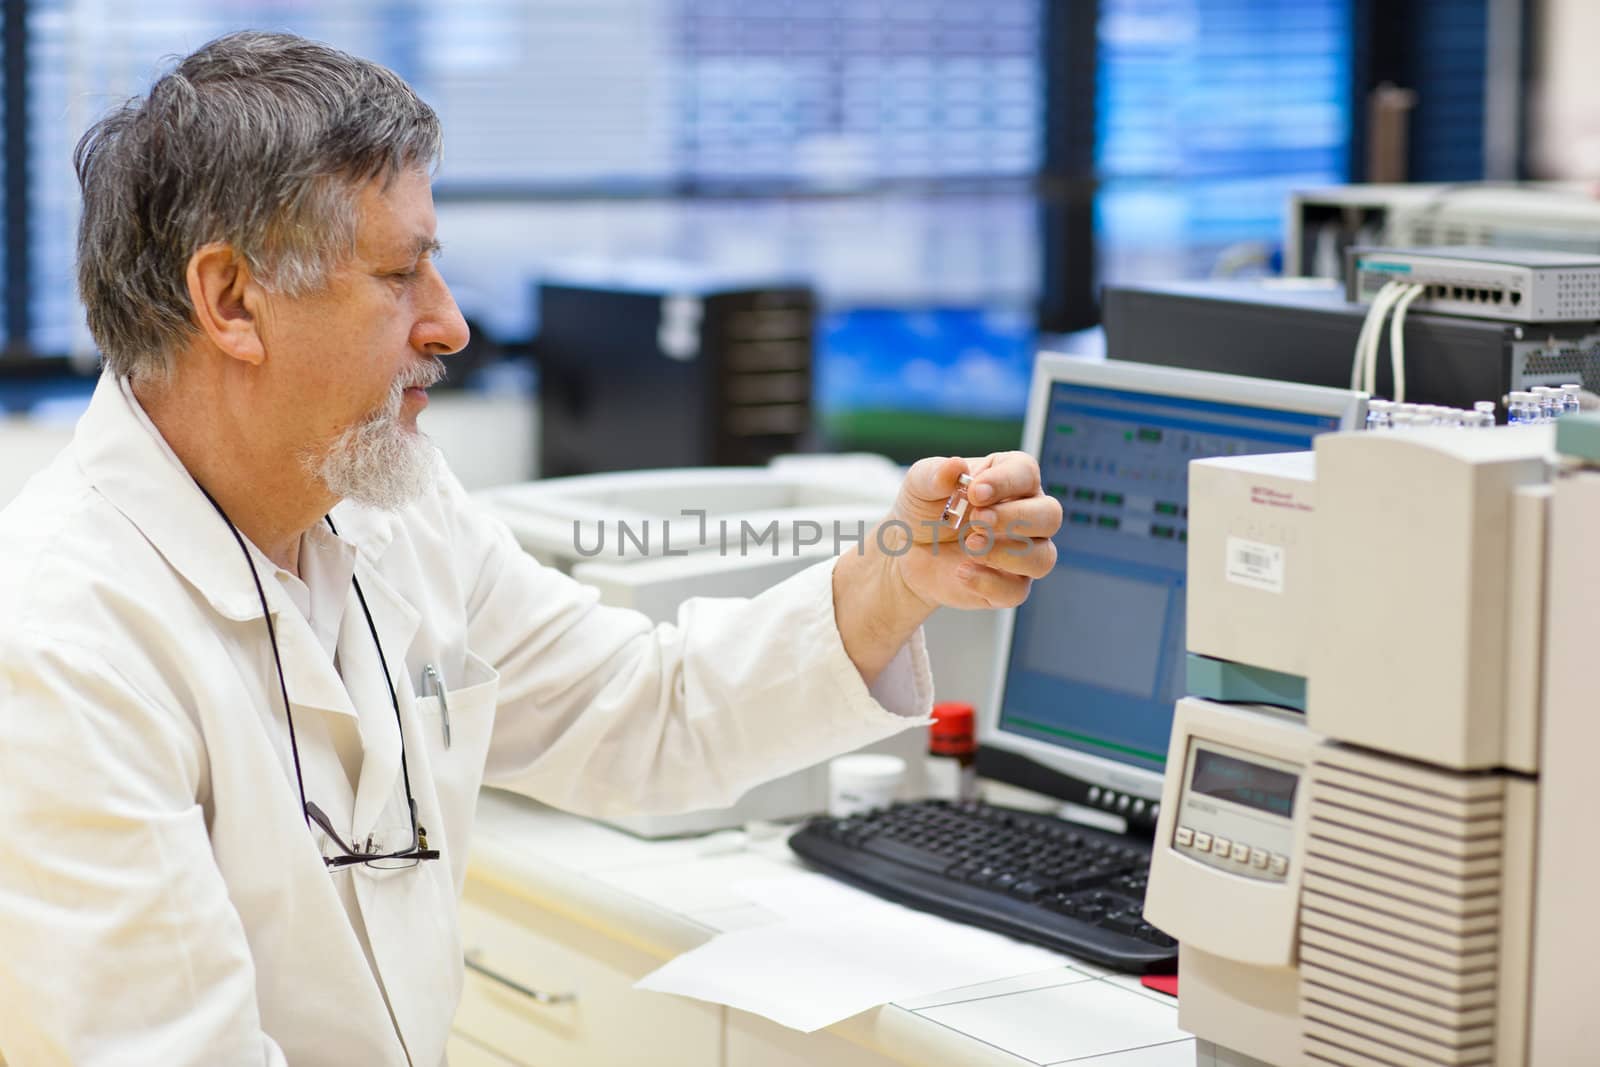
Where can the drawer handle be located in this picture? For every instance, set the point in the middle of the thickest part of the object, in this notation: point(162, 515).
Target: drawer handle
point(471, 960)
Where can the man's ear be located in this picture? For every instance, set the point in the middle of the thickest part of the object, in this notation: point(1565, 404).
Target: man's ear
point(226, 299)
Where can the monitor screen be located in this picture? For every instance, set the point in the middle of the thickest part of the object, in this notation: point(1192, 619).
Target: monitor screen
point(1095, 658)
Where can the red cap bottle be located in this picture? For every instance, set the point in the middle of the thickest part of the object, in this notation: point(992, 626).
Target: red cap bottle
point(953, 752)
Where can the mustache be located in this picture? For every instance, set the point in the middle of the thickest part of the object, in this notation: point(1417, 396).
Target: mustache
point(423, 375)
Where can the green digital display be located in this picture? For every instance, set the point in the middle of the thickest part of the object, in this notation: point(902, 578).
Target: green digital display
point(1242, 782)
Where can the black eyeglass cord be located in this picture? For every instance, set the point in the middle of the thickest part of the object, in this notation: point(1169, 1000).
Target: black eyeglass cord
point(283, 689)
point(272, 637)
point(394, 698)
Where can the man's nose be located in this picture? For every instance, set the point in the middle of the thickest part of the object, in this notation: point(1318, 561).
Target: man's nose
point(440, 329)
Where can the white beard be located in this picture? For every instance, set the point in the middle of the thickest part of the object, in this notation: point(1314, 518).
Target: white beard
point(378, 462)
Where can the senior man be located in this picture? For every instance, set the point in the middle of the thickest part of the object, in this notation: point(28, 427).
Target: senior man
point(258, 651)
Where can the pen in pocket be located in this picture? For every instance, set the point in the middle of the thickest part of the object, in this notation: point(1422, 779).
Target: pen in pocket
point(432, 680)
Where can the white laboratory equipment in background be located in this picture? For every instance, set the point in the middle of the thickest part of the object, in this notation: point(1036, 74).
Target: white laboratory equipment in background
point(1403, 872)
point(759, 526)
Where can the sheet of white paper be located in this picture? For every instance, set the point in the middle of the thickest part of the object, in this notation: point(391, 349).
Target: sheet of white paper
point(814, 968)
point(808, 895)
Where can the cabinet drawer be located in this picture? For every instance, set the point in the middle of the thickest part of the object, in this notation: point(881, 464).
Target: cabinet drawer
point(562, 994)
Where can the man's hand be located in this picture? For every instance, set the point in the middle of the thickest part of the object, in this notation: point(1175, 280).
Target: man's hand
point(914, 562)
point(1004, 541)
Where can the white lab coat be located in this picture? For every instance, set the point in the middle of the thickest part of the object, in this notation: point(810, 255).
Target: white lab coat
point(162, 900)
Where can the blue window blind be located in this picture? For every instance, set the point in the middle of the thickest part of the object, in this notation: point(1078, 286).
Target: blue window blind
point(927, 113)
point(1210, 111)
point(1449, 71)
point(846, 90)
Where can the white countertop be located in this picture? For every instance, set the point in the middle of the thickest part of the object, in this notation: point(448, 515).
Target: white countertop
point(666, 897)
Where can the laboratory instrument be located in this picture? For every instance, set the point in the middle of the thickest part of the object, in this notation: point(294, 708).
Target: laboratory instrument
point(1426, 805)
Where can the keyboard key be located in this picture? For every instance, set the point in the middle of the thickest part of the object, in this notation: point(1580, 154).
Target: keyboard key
point(1121, 921)
point(909, 855)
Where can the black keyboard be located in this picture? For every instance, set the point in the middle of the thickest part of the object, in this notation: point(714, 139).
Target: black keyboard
point(1036, 877)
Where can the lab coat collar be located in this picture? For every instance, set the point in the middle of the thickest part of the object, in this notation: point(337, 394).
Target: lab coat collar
point(138, 474)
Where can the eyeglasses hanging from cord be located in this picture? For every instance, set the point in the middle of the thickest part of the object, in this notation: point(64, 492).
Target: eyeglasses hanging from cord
point(350, 855)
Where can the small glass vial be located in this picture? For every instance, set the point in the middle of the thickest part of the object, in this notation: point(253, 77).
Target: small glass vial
point(1547, 403)
point(953, 752)
point(1485, 412)
point(955, 509)
point(1521, 408)
point(1379, 414)
point(1569, 399)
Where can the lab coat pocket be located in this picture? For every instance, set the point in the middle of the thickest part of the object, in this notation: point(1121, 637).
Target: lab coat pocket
point(457, 730)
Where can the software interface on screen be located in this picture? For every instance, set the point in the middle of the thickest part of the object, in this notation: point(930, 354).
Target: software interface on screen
point(1097, 650)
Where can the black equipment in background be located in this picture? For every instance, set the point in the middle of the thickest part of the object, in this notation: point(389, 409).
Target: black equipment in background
point(634, 378)
point(1297, 333)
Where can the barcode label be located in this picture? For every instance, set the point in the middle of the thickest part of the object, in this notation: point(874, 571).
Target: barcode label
point(1254, 564)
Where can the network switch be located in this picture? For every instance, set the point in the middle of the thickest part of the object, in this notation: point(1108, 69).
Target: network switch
point(1503, 284)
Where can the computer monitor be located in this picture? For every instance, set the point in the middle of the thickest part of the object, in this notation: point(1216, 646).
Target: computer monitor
point(1092, 663)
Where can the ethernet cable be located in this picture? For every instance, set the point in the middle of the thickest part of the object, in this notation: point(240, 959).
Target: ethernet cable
point(1397, 341)
point(1371, 332)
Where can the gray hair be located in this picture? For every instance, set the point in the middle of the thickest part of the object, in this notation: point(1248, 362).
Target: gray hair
point(262, 141)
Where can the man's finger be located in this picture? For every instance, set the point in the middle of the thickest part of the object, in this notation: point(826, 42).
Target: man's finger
point(1033, 516)
point(1033, 558)
point(936, 477)
point(1011, 475)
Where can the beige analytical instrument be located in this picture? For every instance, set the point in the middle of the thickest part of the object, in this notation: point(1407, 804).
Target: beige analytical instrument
point(1372, 845)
